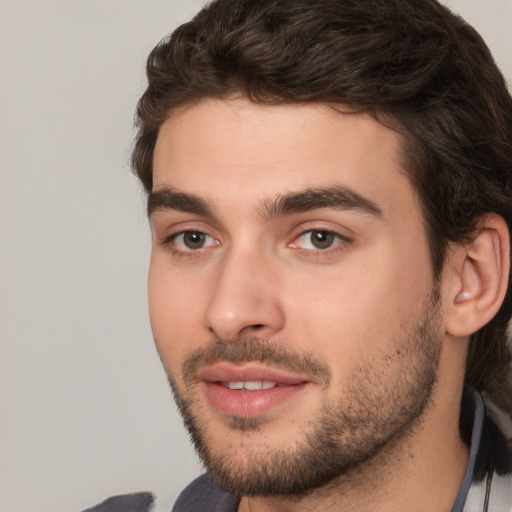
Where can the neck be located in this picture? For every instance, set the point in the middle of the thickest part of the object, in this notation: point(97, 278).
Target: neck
point(422, 471)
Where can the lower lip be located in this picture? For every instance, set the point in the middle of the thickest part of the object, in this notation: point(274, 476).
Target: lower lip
point(249, 404)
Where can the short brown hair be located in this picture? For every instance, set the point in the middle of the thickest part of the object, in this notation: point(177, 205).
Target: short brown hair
point(415, 66)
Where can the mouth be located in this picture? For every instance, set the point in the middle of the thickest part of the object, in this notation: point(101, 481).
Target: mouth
point(249, 391)
point(251, 385)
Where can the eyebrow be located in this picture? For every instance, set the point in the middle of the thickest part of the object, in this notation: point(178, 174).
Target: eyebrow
point(334, 197)
point(168, 198)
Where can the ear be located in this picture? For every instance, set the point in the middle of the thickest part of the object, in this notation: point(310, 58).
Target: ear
point(475, 277)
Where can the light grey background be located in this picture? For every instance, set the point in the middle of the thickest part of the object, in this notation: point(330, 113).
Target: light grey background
point(85, 411)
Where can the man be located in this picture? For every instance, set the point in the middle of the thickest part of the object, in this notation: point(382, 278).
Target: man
point(329, 190)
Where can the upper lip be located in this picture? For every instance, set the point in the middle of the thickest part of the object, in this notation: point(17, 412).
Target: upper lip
point(226, 372)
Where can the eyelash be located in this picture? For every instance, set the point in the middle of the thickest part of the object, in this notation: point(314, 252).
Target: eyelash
point(170, 242)
point(337, 243)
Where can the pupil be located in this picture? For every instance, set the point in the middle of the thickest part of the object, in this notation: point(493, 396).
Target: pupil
point(194, 239)
point(322, 239)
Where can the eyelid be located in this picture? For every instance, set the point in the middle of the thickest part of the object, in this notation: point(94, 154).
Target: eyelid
point(183, 248)
point(341, 240)
point(166, 235)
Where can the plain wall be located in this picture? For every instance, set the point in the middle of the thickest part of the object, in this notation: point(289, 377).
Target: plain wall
point(85, 410)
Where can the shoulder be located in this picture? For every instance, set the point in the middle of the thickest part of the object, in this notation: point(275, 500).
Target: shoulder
point(491, 488)
point(136, 502)
point(497, 437)
point(204, 495)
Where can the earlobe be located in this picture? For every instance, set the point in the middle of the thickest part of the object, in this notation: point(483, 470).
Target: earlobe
point(481, 269)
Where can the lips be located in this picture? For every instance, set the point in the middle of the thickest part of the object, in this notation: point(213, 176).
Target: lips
point(249, 391)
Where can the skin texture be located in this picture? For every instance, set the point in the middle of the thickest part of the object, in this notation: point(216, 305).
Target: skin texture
point(340, 299)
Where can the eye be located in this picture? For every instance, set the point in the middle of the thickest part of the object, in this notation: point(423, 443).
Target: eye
point(317, 240)
point(192, 240)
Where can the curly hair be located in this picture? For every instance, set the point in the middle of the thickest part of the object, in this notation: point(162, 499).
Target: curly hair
point(414, 66)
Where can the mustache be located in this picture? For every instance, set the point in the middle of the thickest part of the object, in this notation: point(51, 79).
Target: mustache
point(257, 350)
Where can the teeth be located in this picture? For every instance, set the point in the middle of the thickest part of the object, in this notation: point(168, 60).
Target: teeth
point(250, 385)
point(253, 385)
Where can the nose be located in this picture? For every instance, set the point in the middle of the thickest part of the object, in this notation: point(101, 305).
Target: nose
point(245, 300)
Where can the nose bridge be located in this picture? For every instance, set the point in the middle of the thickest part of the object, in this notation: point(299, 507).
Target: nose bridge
point(245, 300)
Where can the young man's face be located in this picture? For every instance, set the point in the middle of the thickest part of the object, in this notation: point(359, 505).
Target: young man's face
point(291, 292)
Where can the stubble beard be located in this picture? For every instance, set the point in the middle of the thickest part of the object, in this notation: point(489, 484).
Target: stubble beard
point(382, 403)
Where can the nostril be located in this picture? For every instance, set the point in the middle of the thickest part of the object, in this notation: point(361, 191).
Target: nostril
point(253, 329)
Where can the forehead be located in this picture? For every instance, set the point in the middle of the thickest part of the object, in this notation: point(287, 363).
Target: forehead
point(224, 150)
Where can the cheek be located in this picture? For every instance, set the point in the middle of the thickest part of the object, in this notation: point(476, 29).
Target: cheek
point(175, 312)
point(359, 310)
